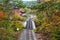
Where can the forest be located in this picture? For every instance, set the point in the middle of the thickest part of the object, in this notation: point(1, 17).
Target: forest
point(47, 19)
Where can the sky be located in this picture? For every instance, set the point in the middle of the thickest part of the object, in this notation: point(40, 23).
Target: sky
point(29, 0)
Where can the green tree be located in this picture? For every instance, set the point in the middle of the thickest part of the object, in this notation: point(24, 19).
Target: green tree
point(48, 15)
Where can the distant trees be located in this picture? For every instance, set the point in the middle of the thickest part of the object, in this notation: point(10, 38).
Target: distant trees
point(7, 6)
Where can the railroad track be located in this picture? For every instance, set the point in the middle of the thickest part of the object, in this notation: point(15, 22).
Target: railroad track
point(28, 33)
